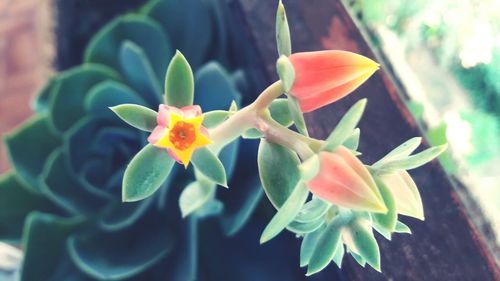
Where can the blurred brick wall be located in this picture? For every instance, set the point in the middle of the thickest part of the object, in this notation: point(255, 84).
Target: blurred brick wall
point(26, 53)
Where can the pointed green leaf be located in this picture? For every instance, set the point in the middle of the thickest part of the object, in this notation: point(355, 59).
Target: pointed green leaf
point(136, 116)
point(209, 165)
point(110, 93)
point(280, 112)
point(194, 196)
point(413, 161)
point(312, 210)
point(402, 151)
point(365, 243)
point(308, 245)
point(146, 173)
point(252, 134)
point(28, 148)
point(278, 170)
point(179, 82)
point(305, 227)
point(213, 118)
point(402, 228)
point(359, 259)
point(346, 126)
point(282, 32)
point(339, 255)
point(352, 142)
point(388, 220)
point(297, 116)
point(286, 73)
point(324, 251)
point(286, 213)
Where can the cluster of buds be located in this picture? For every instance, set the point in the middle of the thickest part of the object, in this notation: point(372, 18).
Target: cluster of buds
point(349, 199)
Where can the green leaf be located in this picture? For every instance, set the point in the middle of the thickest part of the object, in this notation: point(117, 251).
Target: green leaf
point(280, 112)
point(286, 213)
point(308, 245)
point(136, 116)
point(339, 255)
point(104, 47)
point(44, 245)
point(209, 165)
point(66, 108)
point(402, 151)
point(352, 142)
point(297, 116)
point(282, 32)
point(359, 259)
point(413, 161)
point(44, 96)
point(278, 170)
point(286, 73)
point(345, 127)
point(179, 82)
point(119, 255)
point(145, 173)
point(252, 134)
point(365, 243)
point(402, 228)
point(388, 220)
point(139, 73)
point(194, 196)
point(312, 210)
point(213, 118)
point(324, 251)
point(305, 227)
point(107, 94)
point(28, 148)
point(17, 201)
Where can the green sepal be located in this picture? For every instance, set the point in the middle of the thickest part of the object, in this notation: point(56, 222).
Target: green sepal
point(278, 171)
point(179, 82)
point(312, 210)
point(325, 247)
point(28, 148)
point(283, 41)
point(286, 213)
point(402, 228)
point(17, 201)
point(359, 259)
point(205, 162)
point(147, 171)
point(137, 116)
point(339, 255)
point(345, 127)
point(402, 151)
point(365, 243)
point(411, 162)
point(352, 142)
point(388, 220)
point(194, 196)
point(308, 244)
point(297, 116)
point(286, 73)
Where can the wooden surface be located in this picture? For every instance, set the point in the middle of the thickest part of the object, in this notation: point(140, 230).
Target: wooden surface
point(447, 245)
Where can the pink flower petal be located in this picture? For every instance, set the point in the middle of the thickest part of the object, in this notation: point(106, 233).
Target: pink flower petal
point(191, 111)
point(157, 134)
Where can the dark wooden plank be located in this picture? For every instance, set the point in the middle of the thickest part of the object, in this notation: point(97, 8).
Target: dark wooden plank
point(447, 246)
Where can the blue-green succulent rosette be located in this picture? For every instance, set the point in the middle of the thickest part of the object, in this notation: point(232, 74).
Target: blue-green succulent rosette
point(63, 198)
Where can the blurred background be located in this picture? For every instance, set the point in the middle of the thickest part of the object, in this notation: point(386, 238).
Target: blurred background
point(446, 54)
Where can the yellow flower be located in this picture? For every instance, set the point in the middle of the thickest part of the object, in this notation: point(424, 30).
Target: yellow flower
point(180, 132)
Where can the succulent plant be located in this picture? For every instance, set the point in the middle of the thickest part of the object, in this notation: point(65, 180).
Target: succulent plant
point(62, 199)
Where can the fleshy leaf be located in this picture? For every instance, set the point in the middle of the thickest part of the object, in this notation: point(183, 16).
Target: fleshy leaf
point(209, 165)
point(146, 173)
point(308, 245)
point(213, 118)
point(325, 247)
point(139, 73)
point(346, 126)
point(280, 112)
point(194, 196)
point(402, 228)
point(389, 219)
point(107, 94)
point(17, 202)
point(305, 227)
point(364, 242)
point(179, 82)
point(278, 170)
point(283, 42)
point(352, 142)
point(286, 213)
point(339, 255)
point(402, 151)
point(286, 72)
point(413, 161)
point(27, 159)
point(297, 116)
point(312, 210)
point(136, 116)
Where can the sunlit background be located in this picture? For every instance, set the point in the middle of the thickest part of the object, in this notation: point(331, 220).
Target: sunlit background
point(446, 53)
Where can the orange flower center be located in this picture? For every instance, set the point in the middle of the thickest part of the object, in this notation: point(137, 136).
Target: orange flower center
point(182, 135)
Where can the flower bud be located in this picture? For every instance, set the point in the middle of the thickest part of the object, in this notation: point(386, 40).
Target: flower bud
point(342, 179)
point(405, 192)
point(324, 77)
